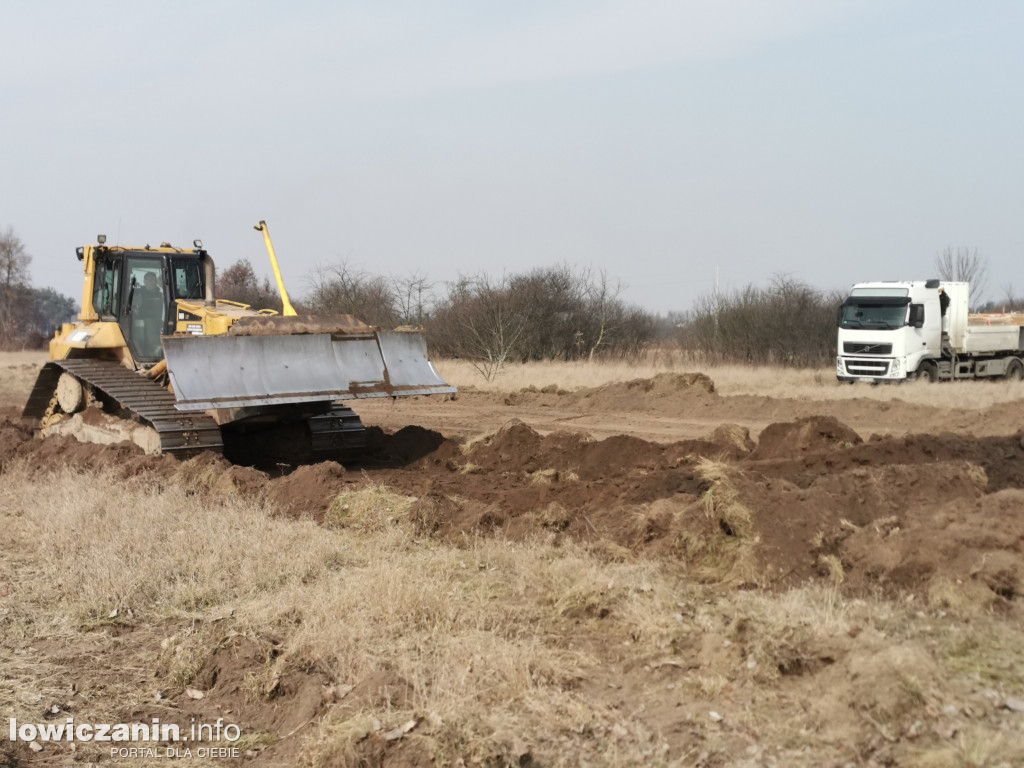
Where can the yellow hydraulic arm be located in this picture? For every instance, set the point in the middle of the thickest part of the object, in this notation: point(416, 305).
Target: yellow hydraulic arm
point(288, 308)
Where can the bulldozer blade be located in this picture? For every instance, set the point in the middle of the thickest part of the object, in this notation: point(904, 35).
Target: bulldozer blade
point(228, 371)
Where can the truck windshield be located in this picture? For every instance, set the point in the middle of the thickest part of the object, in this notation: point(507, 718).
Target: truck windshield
point(869, 314)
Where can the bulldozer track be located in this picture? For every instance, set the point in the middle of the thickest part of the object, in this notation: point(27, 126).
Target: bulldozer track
point(335, 435)
point(181, 434)
point(339, 433)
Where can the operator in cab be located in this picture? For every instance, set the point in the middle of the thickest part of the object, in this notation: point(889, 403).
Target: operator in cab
point(149, 308)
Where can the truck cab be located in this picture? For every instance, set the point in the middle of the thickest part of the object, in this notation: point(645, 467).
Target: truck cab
point(887, 329)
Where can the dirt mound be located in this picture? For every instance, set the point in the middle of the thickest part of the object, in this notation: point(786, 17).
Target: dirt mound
point(18, 442)
point(200, 473)
point(279, 325)
point(517, 447)
point(240, 671)
point(448, 517)
point(800, 520)
point(732, 436)
point(661, 393)
point(962, 553)
point(406, 447)
point(309, 490)
point(813, 434)
point(656, 392)
point(411, 444)
point(618, 454)
point(242, 481)
point(13, 434)
point(678, 382)
point(1002, 457)
point(520, 484)
point(729, 514)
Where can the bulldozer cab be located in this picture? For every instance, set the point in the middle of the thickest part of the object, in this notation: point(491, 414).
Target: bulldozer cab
point(138, 290)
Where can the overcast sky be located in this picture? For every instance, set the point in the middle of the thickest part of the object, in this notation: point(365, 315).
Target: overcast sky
point(668, 143)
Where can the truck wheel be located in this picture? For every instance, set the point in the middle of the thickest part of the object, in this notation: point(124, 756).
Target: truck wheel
point(1015, 371)
point(928, 371)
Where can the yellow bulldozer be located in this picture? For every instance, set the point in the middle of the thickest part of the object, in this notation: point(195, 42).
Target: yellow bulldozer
point(155, 358)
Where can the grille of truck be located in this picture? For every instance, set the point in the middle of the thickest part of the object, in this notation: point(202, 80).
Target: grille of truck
point(866, 348)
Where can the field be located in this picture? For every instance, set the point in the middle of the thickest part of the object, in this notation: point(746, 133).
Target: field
point(571, 565)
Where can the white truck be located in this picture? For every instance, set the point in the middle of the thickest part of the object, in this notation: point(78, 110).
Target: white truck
point(894, 331)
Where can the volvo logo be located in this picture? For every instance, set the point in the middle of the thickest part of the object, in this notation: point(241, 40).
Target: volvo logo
point(867, 347)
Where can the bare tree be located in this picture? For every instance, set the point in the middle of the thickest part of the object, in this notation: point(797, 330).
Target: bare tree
point(550, 302)
point(479, 320)
point(412, 293)
point(602, 307)
point(14, 283)
point(240, 283)
point(1012, 302)
point(964, 265)
point(548, 313)
point(14, 261)
point(787, 323)
point(342, 289)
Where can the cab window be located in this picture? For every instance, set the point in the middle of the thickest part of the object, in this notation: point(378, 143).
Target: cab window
point(187, 278)
point(146, 305)
point(106, 288)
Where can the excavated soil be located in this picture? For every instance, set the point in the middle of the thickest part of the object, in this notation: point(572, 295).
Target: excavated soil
point(800, 490)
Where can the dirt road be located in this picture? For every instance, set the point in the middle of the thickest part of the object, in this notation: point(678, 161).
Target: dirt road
point(682, 407)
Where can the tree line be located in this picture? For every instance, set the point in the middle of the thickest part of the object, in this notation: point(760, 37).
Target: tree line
point(565, 313)
point(28, 315)
point(547, 313)
point(785, 323)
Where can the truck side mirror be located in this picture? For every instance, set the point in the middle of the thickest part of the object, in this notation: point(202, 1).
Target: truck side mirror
point(839, 316)
point(916, 318)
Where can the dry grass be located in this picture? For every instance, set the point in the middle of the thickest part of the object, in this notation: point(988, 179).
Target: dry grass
point(32, 358)
point(18, 371)
point(767, 381)
point(481, 636)
point(171, 556)
point(372, 508)
point(495, 649)
point(730, 554)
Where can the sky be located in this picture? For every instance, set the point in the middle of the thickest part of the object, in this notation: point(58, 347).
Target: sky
point(681, 147)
